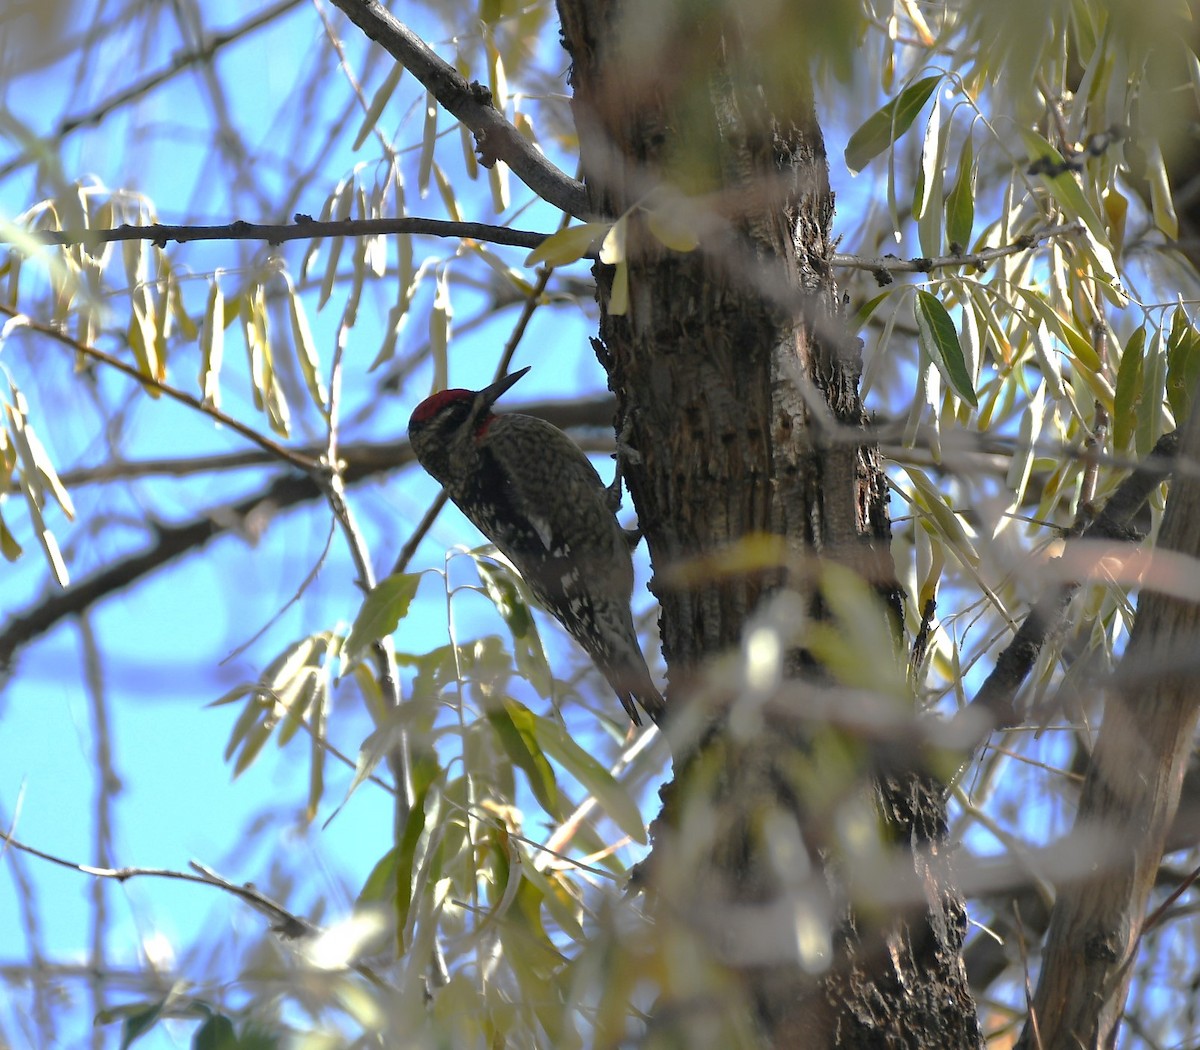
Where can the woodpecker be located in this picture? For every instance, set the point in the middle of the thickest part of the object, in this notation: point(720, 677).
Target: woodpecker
point(531, 491)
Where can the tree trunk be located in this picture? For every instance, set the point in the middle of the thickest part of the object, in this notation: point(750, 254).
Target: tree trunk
point(738, 392)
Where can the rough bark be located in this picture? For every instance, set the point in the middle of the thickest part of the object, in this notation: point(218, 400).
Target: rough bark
point(737, 387)
point(1129, 798)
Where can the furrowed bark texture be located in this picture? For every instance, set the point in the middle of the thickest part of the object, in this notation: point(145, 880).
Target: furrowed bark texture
point(737, 388)
point(1130, 796)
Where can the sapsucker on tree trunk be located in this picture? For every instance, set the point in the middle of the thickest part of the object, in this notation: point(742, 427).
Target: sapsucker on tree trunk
point(531, 491)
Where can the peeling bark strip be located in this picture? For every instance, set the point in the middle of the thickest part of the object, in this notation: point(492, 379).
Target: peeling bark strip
point(732, 371)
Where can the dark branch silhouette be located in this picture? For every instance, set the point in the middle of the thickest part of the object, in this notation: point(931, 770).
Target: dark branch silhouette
point(495, 138)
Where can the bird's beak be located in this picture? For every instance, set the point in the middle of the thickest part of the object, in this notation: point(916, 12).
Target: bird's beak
point(491, 394)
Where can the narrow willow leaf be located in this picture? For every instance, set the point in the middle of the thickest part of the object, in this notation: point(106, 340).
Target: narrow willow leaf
point(187, 326)
point(972, 346)
point(960, 201)
point(1183, 367)
point(1065, 188)
point(609, 792)
point(441, 318)
point(942, 518)
point(37, 470)
point(49, 544)
point(380, 614)
point(568, 245)
point(674, 224)
point(446, 192)
point(428, 141)
point(511, 275)
point(930, 170)
point(9, 546)
point(1162, 203)
point(565, 910)
point(306, 350)
point(254, 330)
point(470, 161)
point(929, 225)
point(515, 728)
point(618, 299)
point(931, 561)
point(502, 588)
point(212, 345)
point(1129, 390)
point(378, 101)
point(392, 328)
point(314, 246)
point(1150, 409)
point(1047, 357)
point(358, 265)
point(342, 209)
point(1116, 211)
point(612, 253)
point(863, 314)
point(501, 186)
point(1021, 465)
point(296, 698)
point(1081, 350)
point(939, 339)
point(887, 124)
point(497, 79)
point(144, 333)
point(317, 748)
point(376, 247)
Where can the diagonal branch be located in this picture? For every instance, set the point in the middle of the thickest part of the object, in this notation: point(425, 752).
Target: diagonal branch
point(994, 705)
point(214, 42)
point(250, 513)
point(495, 138)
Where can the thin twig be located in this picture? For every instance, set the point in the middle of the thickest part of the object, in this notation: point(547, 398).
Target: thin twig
point(304, 463)
point(183, 62)
point(886, 265)
point(286, 923)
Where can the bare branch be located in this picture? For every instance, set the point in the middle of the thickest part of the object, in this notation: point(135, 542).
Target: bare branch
point(885, 265)
point(251, 515)
point(287, 924)
point(276, 450)
point(495, 138)
point(302, 227)
point(215, 42)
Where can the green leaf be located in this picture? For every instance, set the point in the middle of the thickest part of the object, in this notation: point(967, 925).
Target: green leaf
point(138, 1024)
point(960, 202)
point(566, 246)
point(939, 340)
point(887, 124)
point(598, 781)
point(380, 615)
point(1150, 411)
point(217, 1033)
point(1183, 366)
point(1129, 390)
point(516, 728)
point(9, 546)
point(378, 101)
point(505, 593)
point(863, 314)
